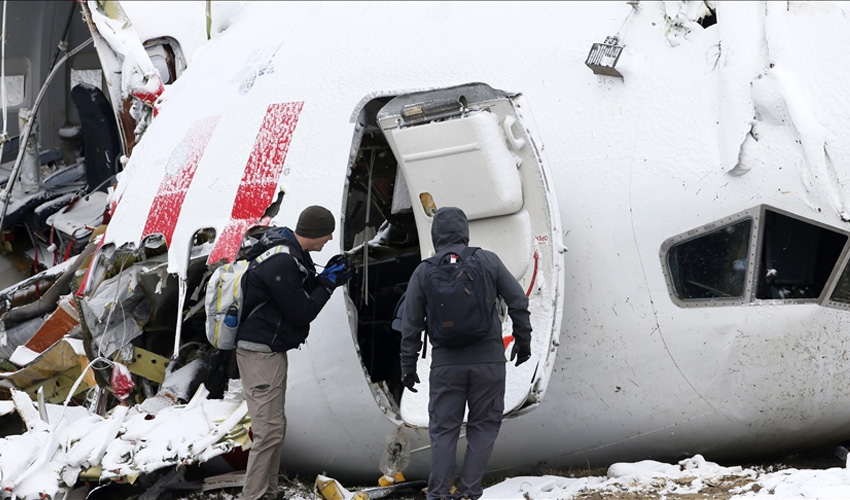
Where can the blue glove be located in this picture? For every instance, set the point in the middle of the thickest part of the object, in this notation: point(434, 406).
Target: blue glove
point(336, 273)
point(340, 259)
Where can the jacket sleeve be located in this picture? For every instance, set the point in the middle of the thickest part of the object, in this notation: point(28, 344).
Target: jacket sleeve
point(284, 279)
point(412, 323)
point(509, 289)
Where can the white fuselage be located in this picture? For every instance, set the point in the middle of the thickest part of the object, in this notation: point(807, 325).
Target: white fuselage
point(629, 372)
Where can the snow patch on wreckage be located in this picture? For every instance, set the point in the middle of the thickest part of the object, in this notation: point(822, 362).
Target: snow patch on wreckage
point(88, 391)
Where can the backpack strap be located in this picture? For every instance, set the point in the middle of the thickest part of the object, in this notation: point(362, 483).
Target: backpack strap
point(271, 251)
point(465, 253)
point(468, 252)
point(259, 260)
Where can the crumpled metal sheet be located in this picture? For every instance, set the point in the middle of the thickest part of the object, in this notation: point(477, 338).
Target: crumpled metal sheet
point(62, 356)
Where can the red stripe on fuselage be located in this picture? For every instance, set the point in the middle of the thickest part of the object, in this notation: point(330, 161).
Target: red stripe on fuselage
point(166, 206)
point(260, 179)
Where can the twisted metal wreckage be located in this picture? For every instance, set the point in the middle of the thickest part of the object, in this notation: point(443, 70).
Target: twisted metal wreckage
point(88, 370)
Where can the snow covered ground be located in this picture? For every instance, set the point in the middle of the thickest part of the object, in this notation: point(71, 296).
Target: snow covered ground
point(691, 478)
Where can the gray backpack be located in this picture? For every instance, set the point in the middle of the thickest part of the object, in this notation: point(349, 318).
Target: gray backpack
point(223, 301)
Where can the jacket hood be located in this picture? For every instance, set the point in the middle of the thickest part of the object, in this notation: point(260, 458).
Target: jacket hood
point(449, 227)
point(288, 234)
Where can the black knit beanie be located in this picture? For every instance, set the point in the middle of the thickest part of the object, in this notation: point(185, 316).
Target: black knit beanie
point(315, 222)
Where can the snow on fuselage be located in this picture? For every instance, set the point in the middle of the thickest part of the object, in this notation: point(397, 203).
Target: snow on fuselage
point(707, 128)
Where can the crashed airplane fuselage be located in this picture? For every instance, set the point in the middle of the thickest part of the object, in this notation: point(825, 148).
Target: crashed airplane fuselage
point(666, 181)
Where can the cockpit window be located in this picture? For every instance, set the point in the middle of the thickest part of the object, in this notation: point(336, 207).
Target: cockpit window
point(712, 265)
point(758, 254)
point(797, 258)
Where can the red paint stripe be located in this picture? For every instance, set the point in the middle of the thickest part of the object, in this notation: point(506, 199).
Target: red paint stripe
point(533, 274)
point(84, 283)
point(168, 202)
point(149, 93)
point(507, 339)
point(258, 187)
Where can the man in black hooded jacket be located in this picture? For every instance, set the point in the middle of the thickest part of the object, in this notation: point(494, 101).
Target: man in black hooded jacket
point(472, 375)
point(282, 295)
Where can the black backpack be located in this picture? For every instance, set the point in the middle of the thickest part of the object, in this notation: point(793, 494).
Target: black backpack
point(459, 302)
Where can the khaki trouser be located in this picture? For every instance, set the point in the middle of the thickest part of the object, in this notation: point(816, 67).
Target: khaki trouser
point(264, 384)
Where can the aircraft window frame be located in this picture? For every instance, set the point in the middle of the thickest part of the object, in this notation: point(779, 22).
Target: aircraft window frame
point(830, 281)
point(20, 67)
point(165, 54)
point(835, 280)
point(842, 266)
point(93, 76)
point(754, 262)
point(753, 216)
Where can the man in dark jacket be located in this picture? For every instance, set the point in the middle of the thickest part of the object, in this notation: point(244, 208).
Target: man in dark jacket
point(282, 295)
point(472, 375)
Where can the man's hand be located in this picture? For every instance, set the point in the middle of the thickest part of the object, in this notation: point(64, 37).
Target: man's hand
point(340, 259)
point(522, 353)
point(336, 273)
point(409, 380)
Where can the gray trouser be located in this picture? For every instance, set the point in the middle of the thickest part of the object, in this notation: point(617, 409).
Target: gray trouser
point(264, 384)
point(452, 388)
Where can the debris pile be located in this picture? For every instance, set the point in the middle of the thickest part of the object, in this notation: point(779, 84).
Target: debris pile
point(107, 388)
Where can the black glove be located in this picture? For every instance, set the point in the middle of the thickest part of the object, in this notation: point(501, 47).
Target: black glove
point(522, 353)
point(336, 273)
point(409, 380)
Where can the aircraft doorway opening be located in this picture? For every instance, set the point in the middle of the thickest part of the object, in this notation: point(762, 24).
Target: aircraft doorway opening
point(466, 146)
point(374, 212)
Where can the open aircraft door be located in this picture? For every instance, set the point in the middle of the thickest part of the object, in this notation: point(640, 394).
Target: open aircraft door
point(469, 147)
